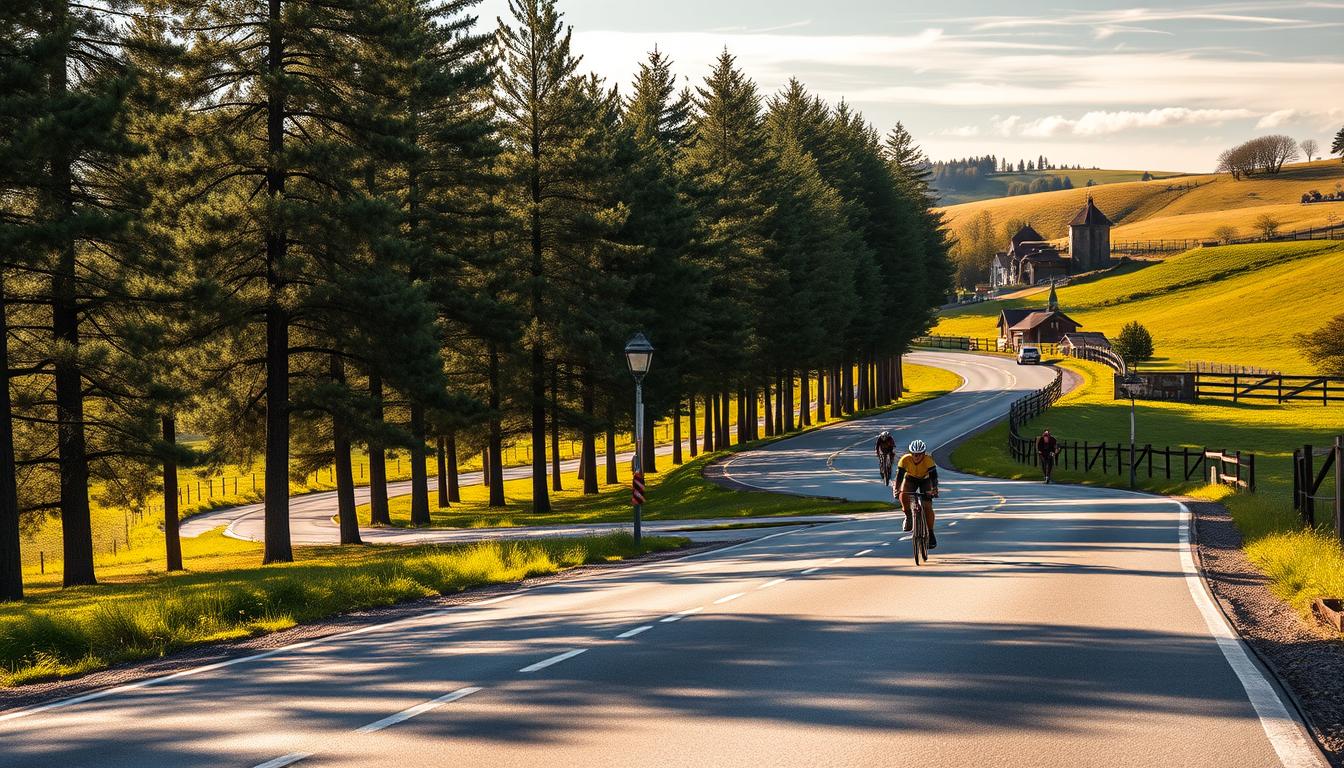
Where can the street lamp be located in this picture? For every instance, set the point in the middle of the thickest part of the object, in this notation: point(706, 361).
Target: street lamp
point(638, 358)
point(1130, 383)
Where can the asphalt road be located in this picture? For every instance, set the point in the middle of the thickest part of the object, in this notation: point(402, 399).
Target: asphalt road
point(1055, 626)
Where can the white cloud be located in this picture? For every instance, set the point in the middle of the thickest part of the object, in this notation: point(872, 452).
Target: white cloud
point(1101, 122)
point(961, 131)
point(1278, 117)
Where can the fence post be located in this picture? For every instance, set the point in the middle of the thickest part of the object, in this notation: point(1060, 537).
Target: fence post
point(1251, 467)
point(1339, 483)
point(1308, 503)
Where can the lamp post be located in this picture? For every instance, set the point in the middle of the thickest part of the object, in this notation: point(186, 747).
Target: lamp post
point(1131, 382)
point(638, 358)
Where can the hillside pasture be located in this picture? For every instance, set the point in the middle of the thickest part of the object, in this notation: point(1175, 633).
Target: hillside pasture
point(1236, 304)
point(1188, 207)
point(997, 185)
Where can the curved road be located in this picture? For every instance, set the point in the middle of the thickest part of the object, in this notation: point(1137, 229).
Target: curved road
point(1055, 626)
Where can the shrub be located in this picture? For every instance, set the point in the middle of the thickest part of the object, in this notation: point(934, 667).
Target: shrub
point(1225, 233)
point(1134, 344)
point(1324, 347)
point(1266, 225)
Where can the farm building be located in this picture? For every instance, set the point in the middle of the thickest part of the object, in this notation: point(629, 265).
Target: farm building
point(1030, 259)
point(1080, 339)
point(1036, 326)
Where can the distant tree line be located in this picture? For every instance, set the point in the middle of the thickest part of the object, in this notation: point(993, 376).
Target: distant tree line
point(1039, 184)
point(1262, 155)
point(301, 228)
point(969, 174)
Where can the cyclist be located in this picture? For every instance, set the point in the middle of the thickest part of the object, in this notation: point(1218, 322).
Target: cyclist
point(886, 454)
point(1047, 449)
point(917, 473)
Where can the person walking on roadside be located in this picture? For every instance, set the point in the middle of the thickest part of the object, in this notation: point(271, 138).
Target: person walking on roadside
point(1047, 448)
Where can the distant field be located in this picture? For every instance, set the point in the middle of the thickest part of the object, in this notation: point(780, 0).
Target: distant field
point(1185, 207)
point(997, 186)
point(1232, 304)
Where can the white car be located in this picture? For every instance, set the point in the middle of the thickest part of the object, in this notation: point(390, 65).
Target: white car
point(1029, 355)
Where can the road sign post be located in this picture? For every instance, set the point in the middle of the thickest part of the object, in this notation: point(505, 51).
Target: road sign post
point(638, 357)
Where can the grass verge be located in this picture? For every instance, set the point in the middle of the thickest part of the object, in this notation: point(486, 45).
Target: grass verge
point(679, 494)
point(58, 633)
point(1301, 563)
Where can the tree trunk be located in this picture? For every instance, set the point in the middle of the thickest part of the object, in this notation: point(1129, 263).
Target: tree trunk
point(555, 428)
point(172, 540)
point(769, 411)
point(649, 461)
point(613, 474)
point(441, 453)
point(900, 376)
point(742, 426)
point(725, 421)
point(588, 463)
point(788, 400)
point(454, 491)
point(753, 429)
point(345, 474)
point(836, 388)
point(419, 476)
point(378, 509)
point(804, 399)
point(11, 561)
point(676, 432)
point(690, 423)
point(821, 395)
point(847, 372)
point(277, 547)
point(709, 423)
point(779, 403)
point(485, 467)
point(495, 447)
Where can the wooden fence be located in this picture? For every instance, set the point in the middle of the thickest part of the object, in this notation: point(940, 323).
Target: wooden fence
point(1220, 467)
point(1277, 387)
point(1308, 482)
point(975, 344)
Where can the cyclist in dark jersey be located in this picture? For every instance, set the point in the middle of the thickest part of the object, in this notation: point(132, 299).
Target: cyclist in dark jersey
point(886, 454)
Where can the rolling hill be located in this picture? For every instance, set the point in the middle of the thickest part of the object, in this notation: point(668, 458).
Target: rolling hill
point(997, 185)
point(1232, 304)
point(1185, 207)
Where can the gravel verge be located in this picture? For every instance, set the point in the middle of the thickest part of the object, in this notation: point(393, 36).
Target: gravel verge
point(1307, 658)
point(131, 672)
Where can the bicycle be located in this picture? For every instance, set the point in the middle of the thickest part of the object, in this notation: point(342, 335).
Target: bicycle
point(919, 541)
point(884, 463)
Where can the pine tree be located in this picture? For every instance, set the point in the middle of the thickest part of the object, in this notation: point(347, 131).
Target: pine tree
point(1337, 147)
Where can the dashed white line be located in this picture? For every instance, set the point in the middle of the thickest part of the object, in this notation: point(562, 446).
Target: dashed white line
point(886, 543)
point(906, 538)
point(811, 570)
point(729, 598)
point(861, 553)
point(556, 659)
point(419, 709)
point(635, 631)
point(772, 583)
point(954, 522)
point(833, 561)
point(281, 762)
point(680, 615)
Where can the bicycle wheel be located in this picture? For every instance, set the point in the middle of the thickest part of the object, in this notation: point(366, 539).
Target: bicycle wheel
point(920, 541)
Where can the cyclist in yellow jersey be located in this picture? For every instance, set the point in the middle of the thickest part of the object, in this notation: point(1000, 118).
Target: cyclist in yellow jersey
point(917, 473)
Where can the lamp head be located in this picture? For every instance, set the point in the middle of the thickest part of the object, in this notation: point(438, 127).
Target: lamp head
point(638, 355)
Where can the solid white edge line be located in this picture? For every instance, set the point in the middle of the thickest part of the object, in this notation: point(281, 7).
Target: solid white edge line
point(418, 709)
point(281, 762)
point(729, 598)
point(556, 659)
point(1286, 733)
point(633, 632)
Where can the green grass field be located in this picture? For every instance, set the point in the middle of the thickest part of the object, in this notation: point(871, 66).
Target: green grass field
point(1188, 207)
point(1231, 304)
point(1303, 564)
point(64, 632)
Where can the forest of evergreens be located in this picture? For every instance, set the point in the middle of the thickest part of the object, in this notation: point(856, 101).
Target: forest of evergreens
point(301, 228)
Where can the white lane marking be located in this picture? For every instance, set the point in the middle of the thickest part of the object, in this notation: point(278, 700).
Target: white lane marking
point(729, 598)
point(681, 615)
point(862, 552)
point(954, 522)
point(833, 561)
point(418, 709)
point(1285, 732)
point(500, 599)
point(886, 544)
point(281, 762)
point(811, 570)
point(772, 583)
point(633, 632)
point(906, 538)
point(556, 659)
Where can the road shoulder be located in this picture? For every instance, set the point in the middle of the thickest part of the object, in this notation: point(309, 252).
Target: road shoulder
point(1307, 660)
point(136, 672)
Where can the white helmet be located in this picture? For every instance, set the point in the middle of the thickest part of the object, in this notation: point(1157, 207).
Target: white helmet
point(918, 446)
point(885, 433)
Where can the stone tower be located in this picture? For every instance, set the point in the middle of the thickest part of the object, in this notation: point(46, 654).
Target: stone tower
point(1090, 239)
point(1052, 304)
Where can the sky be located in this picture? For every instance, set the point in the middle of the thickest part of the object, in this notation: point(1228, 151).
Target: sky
point(1164, 87)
